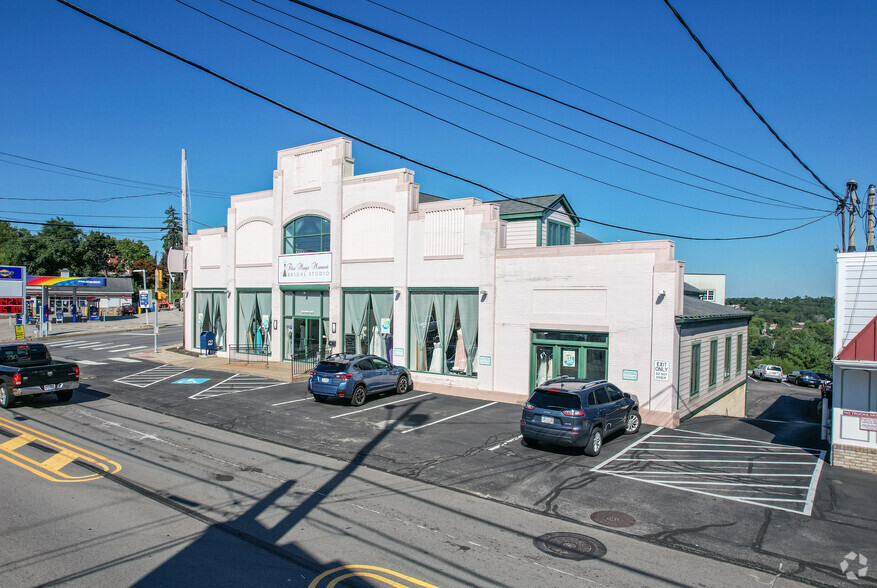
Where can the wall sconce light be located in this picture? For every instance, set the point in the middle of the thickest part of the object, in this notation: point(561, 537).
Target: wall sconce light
point(483, 295)
point(396, 293)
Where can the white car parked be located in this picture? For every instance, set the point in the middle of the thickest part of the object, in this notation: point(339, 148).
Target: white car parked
point(765, 371)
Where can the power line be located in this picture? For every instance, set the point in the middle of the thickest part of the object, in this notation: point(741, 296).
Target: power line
point(582, 88)
point(76, 215)
point(781, 203)
point(544, 96)
point(474, 133)
point(334, 129)
point(746, 100)
point(204, 192)
point(107, 199)
point(20, 222)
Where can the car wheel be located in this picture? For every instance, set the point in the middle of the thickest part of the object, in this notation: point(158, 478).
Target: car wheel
point(529, 442)
point(64, 395)
point(595, 443)
point(6, 398)
point(633, 423)
point(402, 385)
point(358, 396)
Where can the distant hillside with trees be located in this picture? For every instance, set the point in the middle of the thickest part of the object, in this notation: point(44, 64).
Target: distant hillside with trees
point(793, 333)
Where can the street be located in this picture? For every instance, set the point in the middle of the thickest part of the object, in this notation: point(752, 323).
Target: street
point(235, 478)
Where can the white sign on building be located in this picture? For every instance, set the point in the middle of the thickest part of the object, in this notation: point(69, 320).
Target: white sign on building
point(305, 268)
point(662, 370)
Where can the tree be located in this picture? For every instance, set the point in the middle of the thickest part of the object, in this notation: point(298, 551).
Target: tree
point(58, 245)
point(95, 252)
point(173, 231)
point(149, 266)
point(130, 251)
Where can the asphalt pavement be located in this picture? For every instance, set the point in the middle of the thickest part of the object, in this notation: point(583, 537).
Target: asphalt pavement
point(756, 492)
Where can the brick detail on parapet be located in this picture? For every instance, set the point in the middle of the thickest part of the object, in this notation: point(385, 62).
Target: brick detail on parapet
point(854, 457)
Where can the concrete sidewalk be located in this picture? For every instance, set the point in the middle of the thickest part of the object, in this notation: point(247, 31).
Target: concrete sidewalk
point(175, 355)
point(112, 325)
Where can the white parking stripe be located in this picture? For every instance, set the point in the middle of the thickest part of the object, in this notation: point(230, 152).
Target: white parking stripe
point(393, 403)
point(783, 483)
point(626, 449)
point(811, 492)
point(449, 418)
point(290, 401)
point(124, 359)
point(235, 387)
point(128, 348)
point(495, 447)
point(88, 362)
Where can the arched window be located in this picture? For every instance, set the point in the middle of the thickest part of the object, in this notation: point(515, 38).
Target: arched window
point(306, 234)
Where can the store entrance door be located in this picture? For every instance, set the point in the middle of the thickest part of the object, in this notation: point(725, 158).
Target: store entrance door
point(306, 338)
point(575, 355)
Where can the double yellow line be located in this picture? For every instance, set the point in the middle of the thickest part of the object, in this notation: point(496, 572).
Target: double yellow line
point(51, 468)
point(344, 572)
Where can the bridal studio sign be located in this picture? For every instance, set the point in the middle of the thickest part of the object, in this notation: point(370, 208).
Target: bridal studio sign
point(305, 268)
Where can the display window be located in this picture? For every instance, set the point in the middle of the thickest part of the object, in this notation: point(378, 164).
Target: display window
point(444, 332)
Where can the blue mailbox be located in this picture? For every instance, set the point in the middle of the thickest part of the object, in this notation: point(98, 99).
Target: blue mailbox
point(208, 342)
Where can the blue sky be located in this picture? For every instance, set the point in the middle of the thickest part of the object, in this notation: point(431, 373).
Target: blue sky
point(80, 95)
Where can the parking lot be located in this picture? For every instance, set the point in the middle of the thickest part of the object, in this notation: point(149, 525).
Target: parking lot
point(751, 490)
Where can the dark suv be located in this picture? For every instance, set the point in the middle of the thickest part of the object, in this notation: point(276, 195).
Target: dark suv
point(578, 413)
point(353, 377)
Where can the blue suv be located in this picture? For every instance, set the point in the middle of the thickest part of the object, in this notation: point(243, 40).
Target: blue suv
point(578, 413)
point(353, 377)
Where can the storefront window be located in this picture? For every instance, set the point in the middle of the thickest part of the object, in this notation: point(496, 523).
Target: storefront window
point(444, 333)
point(254, 322)
point(368, 323)
point(210, 316)
point(306, 234)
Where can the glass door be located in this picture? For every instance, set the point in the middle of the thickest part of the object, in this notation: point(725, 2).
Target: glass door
point(305, 338)
point(569, 362)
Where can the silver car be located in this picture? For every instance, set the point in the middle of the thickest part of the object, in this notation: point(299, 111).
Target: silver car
point(765, 371)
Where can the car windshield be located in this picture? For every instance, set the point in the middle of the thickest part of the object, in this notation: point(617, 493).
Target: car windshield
point(330, 367)
point(555, 400)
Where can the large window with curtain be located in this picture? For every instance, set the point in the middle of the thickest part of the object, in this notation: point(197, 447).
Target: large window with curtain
point(444, 332)
point(305, 324)
point(254, 322)
point(210, 316)
point(306, 234)
point(368, 323)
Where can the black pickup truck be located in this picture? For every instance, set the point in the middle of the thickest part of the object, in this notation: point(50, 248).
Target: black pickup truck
point(28, 370)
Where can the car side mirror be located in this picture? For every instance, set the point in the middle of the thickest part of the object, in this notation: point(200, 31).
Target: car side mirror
point(626, 395)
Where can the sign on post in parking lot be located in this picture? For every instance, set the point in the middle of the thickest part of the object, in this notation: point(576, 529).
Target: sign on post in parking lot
point(144, 298)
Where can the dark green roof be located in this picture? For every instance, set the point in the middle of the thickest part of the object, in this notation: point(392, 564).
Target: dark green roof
point(695, 309)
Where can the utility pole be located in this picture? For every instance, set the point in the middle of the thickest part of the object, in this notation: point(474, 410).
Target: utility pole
point(853, 203)
point(869, 236)
point(185, 208)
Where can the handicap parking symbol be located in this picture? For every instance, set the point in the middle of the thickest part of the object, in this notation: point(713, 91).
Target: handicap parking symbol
point(192, 381)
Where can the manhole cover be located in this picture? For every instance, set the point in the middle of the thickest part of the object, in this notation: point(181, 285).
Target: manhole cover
point(613, 518)
point(570, 546)
point(223, 477)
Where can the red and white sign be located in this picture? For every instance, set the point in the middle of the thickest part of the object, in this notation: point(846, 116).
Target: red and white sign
point(867, 420)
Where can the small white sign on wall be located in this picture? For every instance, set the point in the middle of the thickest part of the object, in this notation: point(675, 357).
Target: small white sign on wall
point(662, 370)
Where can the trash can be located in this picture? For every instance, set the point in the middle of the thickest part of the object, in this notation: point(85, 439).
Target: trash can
point(208, 342)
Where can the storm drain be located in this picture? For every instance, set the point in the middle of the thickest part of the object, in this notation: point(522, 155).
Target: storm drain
point(613, 518)
point(570, 546)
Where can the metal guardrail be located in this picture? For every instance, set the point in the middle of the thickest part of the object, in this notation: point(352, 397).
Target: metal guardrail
point(249, 353)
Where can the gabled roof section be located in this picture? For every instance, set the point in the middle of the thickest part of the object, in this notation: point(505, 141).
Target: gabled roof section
point(862, 347)
point(692, 290)
point(583, 239)
point(694, 309)
point(533, 207)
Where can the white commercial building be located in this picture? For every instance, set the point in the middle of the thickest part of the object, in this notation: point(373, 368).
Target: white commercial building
point(485, 296)
point(852, 420)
